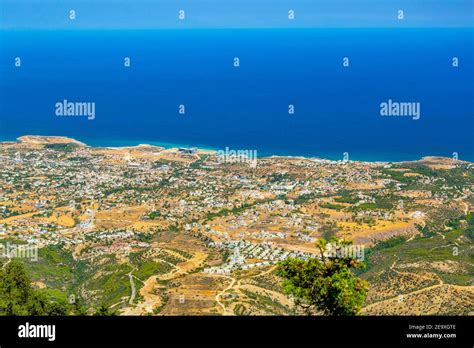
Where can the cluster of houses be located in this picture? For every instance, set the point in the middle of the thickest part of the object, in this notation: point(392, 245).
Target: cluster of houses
point(243, 250)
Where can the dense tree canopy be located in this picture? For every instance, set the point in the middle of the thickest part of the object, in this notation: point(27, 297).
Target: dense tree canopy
point(18, 297)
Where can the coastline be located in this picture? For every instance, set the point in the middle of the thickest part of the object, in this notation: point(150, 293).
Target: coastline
point(256, 116)
point(122, 144)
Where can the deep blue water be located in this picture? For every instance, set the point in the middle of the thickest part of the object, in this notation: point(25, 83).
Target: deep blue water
point(336, 109)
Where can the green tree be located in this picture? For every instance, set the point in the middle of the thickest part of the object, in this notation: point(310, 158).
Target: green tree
point(18, 297)
point(104, 311)
point(15, 290)
point(325, 284)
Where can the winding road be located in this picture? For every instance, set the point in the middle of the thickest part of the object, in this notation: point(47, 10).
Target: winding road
point(132, 285)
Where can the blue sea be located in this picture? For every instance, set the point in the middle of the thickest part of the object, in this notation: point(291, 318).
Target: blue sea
point(337, 109)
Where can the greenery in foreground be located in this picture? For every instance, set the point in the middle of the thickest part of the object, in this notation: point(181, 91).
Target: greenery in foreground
point(327, 284)
point(19, 297)
point(338, 293)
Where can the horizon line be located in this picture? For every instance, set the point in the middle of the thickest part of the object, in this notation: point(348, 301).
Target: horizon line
point(237, 28)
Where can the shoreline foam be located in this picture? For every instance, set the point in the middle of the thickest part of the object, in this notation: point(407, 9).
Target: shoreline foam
point(49, 139)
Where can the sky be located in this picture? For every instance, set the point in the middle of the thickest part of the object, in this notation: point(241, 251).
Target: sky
point(163, 14)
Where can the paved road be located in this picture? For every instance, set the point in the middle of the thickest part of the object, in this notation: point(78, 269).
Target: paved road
point(132, 284)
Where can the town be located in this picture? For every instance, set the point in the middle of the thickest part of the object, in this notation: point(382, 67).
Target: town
point(165, 231)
